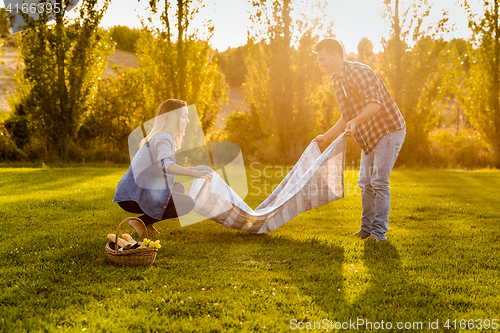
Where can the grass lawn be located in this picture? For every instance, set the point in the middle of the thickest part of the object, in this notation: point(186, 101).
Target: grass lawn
point(442, 260)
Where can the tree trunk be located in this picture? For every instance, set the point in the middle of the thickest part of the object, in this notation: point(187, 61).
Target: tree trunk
point(288, 123)
point(398, 56)
point(62, 132)
point(167, 21)
point(169, 42)
point(181, 59)
point(495, 92)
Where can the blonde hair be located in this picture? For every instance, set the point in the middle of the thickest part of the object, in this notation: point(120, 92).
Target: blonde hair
point(168, 119)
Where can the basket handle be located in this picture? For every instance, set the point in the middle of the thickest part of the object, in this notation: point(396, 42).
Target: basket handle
point(126, 220)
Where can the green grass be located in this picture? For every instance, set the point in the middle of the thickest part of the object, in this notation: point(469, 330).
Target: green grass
point(441, 260)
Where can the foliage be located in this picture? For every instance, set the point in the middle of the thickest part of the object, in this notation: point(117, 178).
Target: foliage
point(59, 66)
point(459, 149)
point(8, 148)
point(365, 52)
point(285, 89)
point(119, 107)
point(185, 69)
point(232, 64)
point(442, 259)
point(408, 71)
point(125, 37)
point(4, 23)
point(445, 87)
point(244, 129)
point(63, 109)
point(483, 86)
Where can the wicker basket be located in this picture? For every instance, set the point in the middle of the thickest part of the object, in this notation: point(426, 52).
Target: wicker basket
point(144, 256)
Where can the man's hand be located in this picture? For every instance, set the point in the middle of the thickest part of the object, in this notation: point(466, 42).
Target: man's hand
point(321, 139)
point(351, 127)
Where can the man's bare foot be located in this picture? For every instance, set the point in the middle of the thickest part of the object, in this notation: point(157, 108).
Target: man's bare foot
point(152, 230)
point(359, 234)
point(373, 238)
point(138, 227)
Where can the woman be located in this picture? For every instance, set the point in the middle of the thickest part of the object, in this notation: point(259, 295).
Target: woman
point(148, 186)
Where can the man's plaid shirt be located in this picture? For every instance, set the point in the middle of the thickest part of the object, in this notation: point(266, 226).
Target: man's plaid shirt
point(355, 87)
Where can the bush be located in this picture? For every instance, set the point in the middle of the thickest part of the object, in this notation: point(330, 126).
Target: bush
point(8, 149)
point(459, 149)
point(125, 38)
point(244, 130)
point(232, 64)
point(118, 109)
point(17, 127)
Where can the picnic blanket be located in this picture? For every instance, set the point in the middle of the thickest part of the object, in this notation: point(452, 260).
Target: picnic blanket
point(315, 180)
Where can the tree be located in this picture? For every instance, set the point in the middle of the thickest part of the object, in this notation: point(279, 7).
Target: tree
point(284, 89)
point(365, 52)
point(118, 109)
point(4, 23)
point(187, 65)
point(232, 64)
point(60, 65)
point(4, 28)
point(483, 86)
point(446, 86)
point(394, 48)
point(408, 71)
point(125, 37)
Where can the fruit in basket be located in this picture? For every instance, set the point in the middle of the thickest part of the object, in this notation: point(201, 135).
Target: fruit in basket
point(155, 244)
point(149, 243)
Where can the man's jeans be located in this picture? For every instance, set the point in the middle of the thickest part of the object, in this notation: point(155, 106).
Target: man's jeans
point(374, 173)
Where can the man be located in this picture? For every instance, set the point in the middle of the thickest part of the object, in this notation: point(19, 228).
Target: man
point(372, 117)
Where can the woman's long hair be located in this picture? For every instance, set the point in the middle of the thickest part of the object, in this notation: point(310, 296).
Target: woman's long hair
point(168, 119)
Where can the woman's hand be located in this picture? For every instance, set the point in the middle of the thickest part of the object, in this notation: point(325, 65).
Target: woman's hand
point(198, 168)
point(204, 174)
point(198, 172)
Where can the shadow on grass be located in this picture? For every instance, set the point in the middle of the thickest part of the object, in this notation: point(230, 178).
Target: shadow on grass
point(311, 265)
point(394, 293)
point(76, 271)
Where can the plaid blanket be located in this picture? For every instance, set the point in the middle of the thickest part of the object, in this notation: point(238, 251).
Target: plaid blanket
point(315, 180)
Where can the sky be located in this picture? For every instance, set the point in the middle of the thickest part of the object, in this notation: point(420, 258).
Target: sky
point(352, 19)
